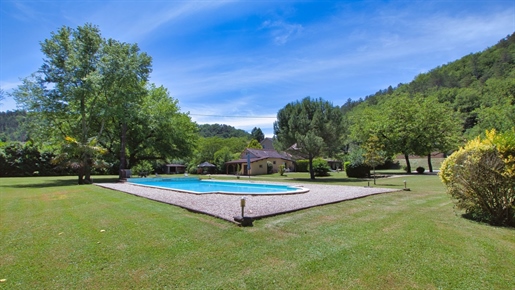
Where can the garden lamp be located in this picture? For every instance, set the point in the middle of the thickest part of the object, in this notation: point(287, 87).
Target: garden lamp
point(242, 203)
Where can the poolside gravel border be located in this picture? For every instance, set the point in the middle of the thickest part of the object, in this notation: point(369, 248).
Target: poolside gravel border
point(227, 206)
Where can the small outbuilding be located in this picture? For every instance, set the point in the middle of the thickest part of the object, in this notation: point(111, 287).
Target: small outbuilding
point(174, 168)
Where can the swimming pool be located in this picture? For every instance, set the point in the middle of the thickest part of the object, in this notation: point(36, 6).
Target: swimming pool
point(198, 186)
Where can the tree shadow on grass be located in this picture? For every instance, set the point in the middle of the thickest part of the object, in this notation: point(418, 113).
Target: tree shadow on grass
point(330, 180)
point(59, 183)
point(43, 184)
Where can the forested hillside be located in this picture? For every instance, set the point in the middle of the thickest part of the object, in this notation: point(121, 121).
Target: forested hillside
point(480, 87)
point(11, 128)
point(438, 110)
point(222, 131)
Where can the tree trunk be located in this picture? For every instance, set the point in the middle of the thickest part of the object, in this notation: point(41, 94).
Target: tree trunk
point(123, 144)
point(311, 171)
point(408, 165)
point(85, 170)
point(80, 173)
point(374, 169)
point(429, 162)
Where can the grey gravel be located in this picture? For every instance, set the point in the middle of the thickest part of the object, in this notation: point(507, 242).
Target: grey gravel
point(227, 206)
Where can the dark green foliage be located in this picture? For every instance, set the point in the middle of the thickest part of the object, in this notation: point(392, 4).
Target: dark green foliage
point(11, 126)
point(357, 170)
point(313, 127)
point(302, 165)
point(257, 134)
point(25, 159)
point(389, 164)
point(20, 159)
point(420, 170)
point(222, 131)
point(269, 167)
point(321, 167)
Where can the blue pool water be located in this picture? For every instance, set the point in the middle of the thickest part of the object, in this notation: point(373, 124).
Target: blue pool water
point(194, 185)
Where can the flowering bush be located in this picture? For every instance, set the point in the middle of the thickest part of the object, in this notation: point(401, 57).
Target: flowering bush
point(481, 177)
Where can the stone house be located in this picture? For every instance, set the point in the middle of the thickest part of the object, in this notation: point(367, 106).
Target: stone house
point(258, 158)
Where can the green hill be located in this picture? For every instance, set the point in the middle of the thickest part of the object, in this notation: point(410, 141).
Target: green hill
point(480, 86)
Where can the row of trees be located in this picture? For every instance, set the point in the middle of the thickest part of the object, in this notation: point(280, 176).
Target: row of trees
point(411, 125)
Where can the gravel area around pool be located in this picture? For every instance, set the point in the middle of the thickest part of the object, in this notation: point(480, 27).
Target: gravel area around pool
point(227, 206)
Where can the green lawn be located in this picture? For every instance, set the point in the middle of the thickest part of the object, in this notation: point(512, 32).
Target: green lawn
point(58, 235)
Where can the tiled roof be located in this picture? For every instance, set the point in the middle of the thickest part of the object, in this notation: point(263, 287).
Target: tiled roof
point(260, 153)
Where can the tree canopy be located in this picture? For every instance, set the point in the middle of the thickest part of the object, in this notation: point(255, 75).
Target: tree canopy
point(312, 126)
point(257, 134)
point(94, 91)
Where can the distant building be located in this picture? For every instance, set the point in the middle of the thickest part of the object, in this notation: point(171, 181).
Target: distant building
point(258, 162)
point(174, 168)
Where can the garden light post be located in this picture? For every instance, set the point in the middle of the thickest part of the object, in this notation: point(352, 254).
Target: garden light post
point(405, 188)
point(243, 220)
point(242, 203)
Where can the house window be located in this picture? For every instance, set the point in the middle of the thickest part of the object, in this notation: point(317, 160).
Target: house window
point(260, 165)
point(274, 162)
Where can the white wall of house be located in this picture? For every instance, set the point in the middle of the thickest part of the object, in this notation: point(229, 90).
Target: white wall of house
point(260, 167)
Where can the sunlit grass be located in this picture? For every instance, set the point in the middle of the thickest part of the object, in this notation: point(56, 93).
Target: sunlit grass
point(58, 235)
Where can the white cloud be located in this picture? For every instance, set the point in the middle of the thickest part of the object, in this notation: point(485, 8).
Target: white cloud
point(281, 31)
point(136, 24)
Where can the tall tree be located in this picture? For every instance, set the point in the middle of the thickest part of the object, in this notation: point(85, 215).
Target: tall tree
point(86, 86)
point(123, 71)
point(374, 153)
point(257, 134)
point(159, 130)
point(435, 132)
point(64, 92)
point(312, 126)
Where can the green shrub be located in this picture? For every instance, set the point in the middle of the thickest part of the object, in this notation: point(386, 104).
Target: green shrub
point(282, 169)
point(321, 167)
point(144, 168)
point(357, 171)
point(481, 178)
point(302, 165)
point(420, 170)
point(355, 166)
point(269, 167)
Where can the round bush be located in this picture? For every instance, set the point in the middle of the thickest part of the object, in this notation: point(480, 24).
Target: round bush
point(420, 170)
point(321, 167)
point(481, 178)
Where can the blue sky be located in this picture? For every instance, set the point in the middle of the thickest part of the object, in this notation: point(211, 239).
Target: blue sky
point(239, 62)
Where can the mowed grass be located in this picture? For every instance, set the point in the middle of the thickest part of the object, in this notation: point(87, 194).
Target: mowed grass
point(58, 235)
